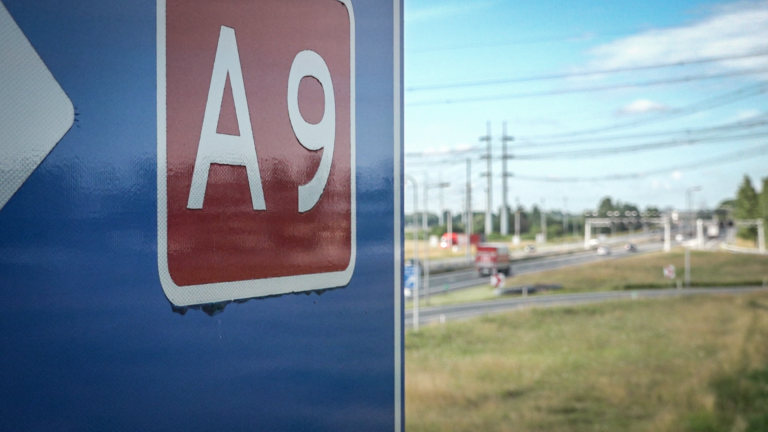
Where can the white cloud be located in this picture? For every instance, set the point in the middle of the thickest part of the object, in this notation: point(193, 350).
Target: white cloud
point(676, 175)
point(737, 29)
point(747, 114)
point(641, 106)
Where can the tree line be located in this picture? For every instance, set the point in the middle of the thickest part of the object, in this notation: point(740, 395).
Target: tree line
point(748, 204)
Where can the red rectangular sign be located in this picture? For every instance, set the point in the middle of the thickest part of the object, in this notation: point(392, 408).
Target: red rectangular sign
point(256, 148)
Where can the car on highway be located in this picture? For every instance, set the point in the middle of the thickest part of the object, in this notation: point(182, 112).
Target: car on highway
point(603, 250)
point(493, 258)
point(630, 247)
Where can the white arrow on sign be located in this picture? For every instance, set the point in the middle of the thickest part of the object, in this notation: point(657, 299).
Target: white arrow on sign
point(35, 113)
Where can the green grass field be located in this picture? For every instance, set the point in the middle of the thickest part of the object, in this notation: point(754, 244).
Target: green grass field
point(690, 364)
point(643, 271)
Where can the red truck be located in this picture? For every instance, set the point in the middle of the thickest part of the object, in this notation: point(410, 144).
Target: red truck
point(493, 258)
point(457, 239)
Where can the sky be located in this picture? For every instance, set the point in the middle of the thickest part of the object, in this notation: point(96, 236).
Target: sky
point(639, 101)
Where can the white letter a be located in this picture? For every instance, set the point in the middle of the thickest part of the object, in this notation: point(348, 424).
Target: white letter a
point(226, 149)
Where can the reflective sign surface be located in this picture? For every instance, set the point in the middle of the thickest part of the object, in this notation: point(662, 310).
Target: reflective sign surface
point(91, 339)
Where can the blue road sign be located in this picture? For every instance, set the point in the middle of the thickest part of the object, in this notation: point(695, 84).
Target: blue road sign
point(200, 215)
point(411, 276)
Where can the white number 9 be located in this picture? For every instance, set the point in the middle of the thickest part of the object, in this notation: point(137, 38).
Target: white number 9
point(313, 136)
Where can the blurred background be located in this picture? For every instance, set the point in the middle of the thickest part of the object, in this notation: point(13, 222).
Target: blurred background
point(585, 205)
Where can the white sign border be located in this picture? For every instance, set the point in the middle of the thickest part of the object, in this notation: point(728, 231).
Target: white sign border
point(397, 57)
point(227, 291)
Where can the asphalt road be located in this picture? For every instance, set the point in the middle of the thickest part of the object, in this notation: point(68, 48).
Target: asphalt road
point(452, 281)
point(468, 310)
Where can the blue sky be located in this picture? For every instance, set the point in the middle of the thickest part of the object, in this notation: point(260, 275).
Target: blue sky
point(468, 43)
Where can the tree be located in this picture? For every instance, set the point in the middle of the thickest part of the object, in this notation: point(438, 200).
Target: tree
point(747, 206)
point(478, 223)
point(605, 206)
point(525, 221)
point(746, 201)
point(653, 211)
point(536, 216)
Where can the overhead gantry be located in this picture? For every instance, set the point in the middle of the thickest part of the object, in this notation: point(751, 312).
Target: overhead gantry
point(608, 222)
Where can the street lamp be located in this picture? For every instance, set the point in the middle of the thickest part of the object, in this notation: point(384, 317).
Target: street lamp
point(516, 240)
point(689, 197)
point(415, 251)
point(565, 220)
point(427, 187)
point(425, 226)
point(543, 222)
point(689, 200)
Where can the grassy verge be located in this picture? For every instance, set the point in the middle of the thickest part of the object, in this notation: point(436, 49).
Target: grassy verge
point(434, 252)
point(690, 364)
point(750, 243)
point(643, 271)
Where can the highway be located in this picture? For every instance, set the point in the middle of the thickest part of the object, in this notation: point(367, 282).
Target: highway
point(456, 280)
point(437, 314)
point(448, 264)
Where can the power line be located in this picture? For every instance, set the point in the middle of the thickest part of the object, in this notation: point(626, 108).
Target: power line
point(706, 104)
point(546, 77)
point(750, 123)
point(597, 152)
point(452, 161)
point(700, 106)
point(742, 124)
point(542, 39)
point(635, 148)
point(446, 152)
point(525, 41)
point(718, 160)
point(521, 95)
